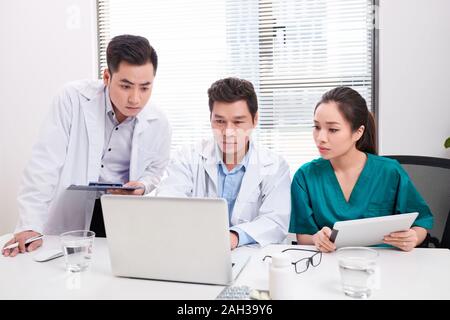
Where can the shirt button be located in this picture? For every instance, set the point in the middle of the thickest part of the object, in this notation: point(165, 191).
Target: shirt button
point(117, 128)
point(109, 149)
point(102, 166)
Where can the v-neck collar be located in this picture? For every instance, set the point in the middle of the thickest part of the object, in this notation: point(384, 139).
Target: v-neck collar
point(360, 182)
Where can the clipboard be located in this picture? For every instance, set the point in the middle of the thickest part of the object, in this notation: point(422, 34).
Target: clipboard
point(97, 186)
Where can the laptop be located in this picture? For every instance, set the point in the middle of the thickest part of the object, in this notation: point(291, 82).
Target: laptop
point(174, 239)
point(370, 231)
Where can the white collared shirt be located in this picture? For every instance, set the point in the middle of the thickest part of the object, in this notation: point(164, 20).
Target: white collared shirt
point(115, 164)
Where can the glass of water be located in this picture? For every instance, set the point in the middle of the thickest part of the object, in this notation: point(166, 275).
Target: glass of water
point(357, 266)
point(77, 247)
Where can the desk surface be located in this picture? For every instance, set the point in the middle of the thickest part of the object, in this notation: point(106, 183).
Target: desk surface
point(420, 274)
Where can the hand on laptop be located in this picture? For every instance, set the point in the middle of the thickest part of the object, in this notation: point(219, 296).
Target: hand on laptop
point(234, 240)
point(20, 238)
point(322, 240)
point(137, 192)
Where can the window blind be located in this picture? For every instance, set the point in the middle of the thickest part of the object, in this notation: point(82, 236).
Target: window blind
point(291, 50)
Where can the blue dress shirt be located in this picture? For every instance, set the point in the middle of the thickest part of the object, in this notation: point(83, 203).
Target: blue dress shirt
point(228, 188)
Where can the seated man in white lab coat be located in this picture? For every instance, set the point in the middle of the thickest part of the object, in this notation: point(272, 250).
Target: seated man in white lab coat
point(96, 132)
point(254, 181)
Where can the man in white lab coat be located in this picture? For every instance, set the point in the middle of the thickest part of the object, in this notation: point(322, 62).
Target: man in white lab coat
point(254, 181)
point(96, 132)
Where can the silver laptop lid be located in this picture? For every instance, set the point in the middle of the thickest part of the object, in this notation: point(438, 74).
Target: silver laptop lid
point(176, 239)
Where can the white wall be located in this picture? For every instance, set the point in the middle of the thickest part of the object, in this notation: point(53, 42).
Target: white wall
point(414, 93)
point(43, 44)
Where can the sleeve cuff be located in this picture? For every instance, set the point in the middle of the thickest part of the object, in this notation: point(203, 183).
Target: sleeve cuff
point(148, 187)
point(28, 228)
point(244, 238)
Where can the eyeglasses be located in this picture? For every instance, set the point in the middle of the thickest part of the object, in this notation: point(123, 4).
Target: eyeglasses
point(303, 264)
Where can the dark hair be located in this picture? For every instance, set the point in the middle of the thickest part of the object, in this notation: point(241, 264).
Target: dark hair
point(135, 50)
point(232, 90)
point(354, 109)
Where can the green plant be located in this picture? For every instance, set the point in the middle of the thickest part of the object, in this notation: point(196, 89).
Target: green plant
point(447, 143)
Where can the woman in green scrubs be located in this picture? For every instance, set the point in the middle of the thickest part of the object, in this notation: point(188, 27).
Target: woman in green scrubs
point(350, 181)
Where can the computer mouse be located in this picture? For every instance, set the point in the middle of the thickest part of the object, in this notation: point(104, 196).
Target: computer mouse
point(46, 255)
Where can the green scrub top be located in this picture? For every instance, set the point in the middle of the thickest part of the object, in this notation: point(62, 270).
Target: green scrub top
point(383, 188)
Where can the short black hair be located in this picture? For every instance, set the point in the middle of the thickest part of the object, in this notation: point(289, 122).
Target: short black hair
point(135, 50)
point(232, 90)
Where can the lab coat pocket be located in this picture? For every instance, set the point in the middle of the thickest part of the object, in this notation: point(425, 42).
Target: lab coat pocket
point(146, 154)
point(250, 207)
point(144, 159)
point(254, 196)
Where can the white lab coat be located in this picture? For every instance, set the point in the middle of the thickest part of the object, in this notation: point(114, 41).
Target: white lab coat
point(263, 205)
point(69, 151)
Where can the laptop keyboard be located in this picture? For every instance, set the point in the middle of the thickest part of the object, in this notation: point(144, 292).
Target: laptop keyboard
point(235, 293)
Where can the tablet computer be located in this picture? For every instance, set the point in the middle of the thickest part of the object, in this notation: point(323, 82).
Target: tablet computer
point(93, 186)
point(370, 231)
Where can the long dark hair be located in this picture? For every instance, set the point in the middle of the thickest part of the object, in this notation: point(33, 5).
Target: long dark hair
point(354, 109)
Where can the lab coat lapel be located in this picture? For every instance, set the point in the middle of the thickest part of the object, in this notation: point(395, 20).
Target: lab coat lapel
point(210, 165)
point(252, 177)
point(94, 115)
point(142, 124)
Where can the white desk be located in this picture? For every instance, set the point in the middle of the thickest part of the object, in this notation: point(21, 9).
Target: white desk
point(420, 274)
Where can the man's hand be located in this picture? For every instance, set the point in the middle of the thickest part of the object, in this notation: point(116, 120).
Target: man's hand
point(21, 237)
point(137, 192)
point(234, 240)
